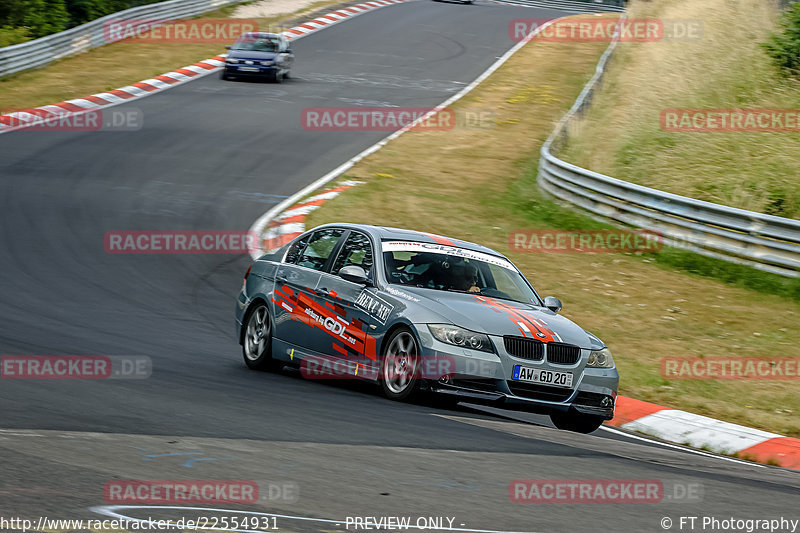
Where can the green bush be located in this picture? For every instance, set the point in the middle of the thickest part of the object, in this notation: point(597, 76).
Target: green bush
point(784, 47)
point(9, 36)
point(31, 19)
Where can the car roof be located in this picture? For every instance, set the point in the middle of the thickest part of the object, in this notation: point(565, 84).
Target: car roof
point(385, 233)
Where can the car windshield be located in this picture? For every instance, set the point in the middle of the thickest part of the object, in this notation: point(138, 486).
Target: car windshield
point(449, 268)
point(259, 44)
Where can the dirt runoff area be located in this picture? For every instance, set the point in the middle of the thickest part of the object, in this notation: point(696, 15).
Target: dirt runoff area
point(270, 8)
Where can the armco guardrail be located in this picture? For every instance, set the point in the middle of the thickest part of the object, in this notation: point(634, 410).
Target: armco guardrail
point(40, 52)
point(573, 6)
point(765, 242)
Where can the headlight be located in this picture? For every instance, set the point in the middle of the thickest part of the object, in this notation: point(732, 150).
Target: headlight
point(266, 63)
point(601, 359)
point(231, 60)
point(461, 337)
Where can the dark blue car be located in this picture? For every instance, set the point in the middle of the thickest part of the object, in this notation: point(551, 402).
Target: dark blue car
point(259, 54)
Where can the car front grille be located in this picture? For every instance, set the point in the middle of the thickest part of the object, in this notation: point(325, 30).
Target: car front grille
point(524, 348)
point(563, 354)
point(539, 392)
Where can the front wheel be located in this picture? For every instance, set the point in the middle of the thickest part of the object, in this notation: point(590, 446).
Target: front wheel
point(400, 367)
point(257, 342)
point(577, 422)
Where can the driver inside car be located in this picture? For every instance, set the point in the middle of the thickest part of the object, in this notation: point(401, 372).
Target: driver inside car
point(463, 276)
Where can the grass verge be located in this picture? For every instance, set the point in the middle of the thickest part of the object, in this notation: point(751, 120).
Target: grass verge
point(727, 68)
point(479, 184)
point(123, 63)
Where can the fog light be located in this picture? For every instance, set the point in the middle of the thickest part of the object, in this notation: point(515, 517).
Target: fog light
point(607, 401)
point(445, 379)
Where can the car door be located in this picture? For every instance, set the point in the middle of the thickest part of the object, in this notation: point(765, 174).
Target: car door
point(296, 313)
point(354, 308)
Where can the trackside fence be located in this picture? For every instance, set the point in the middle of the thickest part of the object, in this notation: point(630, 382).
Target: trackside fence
point(41, 52)
point(766, 242)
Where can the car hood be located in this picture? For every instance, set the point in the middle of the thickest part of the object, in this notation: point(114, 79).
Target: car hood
point(250, 54)
point(503, 317)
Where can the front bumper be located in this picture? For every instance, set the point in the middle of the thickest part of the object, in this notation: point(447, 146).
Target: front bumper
point(235, 70)
point(486, 378)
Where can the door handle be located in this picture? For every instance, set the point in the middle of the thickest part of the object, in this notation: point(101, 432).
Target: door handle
point(322, 291)
point(281, 277)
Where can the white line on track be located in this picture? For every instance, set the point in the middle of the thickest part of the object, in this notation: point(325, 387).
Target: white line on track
point(677, 447)
point(262, 222)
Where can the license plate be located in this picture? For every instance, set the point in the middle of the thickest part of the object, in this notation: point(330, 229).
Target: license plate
point(249, 69)
point(545, 377)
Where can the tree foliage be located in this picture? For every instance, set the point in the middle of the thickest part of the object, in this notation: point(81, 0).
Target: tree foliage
point(784, 47)
point(22, 19)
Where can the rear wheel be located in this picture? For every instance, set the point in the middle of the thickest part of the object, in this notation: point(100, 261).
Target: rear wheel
point(257, 342)
point(577, 422)
point(400, 367)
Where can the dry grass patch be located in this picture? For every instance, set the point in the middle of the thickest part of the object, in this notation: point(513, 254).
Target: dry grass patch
point(727, 68)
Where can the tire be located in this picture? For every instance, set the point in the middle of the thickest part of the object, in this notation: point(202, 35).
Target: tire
point(286, 75)
point(257, 339)
point(224, 75)
point(399, 376)
point(577, 422)
point(277, 77)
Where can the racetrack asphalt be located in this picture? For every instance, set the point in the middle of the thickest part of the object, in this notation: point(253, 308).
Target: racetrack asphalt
point(215, 155)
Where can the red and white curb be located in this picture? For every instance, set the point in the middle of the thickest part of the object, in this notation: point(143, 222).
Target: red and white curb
point(703, 432)
point(55, 113)
point(291, 222)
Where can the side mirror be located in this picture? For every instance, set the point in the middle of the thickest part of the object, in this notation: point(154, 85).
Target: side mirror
point(228, 47)
point(354, 273)
point(553, 304)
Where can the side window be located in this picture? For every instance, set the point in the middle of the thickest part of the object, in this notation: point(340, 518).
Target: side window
point(356, 250)
point(320, 245)
point(295, 250)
